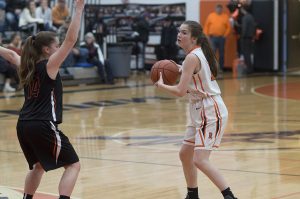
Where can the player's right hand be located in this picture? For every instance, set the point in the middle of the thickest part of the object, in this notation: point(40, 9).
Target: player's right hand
point(79, 4)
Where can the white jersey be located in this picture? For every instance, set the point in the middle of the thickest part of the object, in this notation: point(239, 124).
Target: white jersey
point(203, 83)
point(208, 113)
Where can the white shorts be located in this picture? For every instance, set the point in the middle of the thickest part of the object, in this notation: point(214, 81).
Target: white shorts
point(208, 119)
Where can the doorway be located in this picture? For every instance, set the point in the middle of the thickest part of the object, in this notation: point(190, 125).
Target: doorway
point(293, 34)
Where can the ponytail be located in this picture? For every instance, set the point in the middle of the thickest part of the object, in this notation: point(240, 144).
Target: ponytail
point(32, 52)
point(209, 54)
point(29, 57)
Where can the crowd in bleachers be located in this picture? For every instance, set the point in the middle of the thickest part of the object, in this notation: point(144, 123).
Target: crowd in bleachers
point(22, 18)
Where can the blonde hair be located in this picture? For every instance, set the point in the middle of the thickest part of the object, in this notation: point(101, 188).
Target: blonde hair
point(89, 35)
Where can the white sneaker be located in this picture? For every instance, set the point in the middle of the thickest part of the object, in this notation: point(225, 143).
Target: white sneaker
point(8, 88)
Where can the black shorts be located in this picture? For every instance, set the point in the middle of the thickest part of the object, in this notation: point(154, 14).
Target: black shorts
point(41, 141)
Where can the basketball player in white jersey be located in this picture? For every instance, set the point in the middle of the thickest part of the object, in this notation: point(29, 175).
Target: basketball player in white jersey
point(208, 113)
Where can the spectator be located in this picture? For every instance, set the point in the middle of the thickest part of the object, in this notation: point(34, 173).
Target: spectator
point(247, 38)
point(45, 13)
point(28, 20)
point(15, 43)
point(168, 41)
point(62, 30)
point(234, 7)
point(2, 15)
point(95, 57)
point(217, 28)
point(99, 29)
point(13, 11)
point(59, 13)
point(9, 72)
point(2, 4)
point(141, 26)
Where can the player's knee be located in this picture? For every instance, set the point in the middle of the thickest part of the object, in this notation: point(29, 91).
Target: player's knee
point(184, 154)
point(38, 168)
point(76, 166)
point(199, 163)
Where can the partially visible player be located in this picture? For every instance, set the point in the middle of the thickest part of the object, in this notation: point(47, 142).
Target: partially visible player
point(45, 147)
point(208, 113)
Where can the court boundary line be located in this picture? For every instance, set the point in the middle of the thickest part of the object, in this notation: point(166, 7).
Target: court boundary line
point(41, 192)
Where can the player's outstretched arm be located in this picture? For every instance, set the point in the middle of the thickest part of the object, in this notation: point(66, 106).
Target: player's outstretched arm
point(59, 56)
point(10, 55)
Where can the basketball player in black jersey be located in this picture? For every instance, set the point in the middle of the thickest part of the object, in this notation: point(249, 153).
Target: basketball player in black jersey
point(45, 147)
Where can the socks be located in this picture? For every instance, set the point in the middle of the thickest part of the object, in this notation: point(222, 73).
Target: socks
point(27, 196)
point(227, 192)
point(192, 193)
point(64, 197)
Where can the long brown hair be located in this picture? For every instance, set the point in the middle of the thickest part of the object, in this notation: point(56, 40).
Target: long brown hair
point(197, 32)
point(31, 53)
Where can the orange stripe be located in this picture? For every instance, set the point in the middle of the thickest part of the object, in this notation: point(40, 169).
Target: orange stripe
point(201, 83)
point(195, 83)
point(205, 93)
point(219, 115)
point(218, 121)
point(201, 137)
point(219, 118)
point(189, 141)
point(204, 120)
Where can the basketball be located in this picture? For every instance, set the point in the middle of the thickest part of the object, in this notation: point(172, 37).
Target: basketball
point(169, 70)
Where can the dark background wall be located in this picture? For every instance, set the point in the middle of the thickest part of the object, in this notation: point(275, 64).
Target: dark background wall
point(263, 12)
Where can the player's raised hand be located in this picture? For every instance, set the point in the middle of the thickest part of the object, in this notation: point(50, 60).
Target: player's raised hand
point(79, 4)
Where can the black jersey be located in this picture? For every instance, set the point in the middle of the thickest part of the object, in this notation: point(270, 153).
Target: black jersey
point(43, 97)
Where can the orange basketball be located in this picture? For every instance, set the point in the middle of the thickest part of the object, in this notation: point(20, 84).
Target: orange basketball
point(169, 70)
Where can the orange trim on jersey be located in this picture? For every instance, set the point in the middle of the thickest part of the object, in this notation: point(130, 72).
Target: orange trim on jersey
point(189, 141)
point(219, 118)
point(218, 122)
point(201, 83)
point(204, 119)
point(202, 87)
point(195, 83)
point(193, 49)
point(201, 136)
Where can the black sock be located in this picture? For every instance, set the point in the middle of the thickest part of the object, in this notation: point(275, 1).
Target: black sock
point(64, 197)
point(27, 196)
point(193, 193)
point(227, 192)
